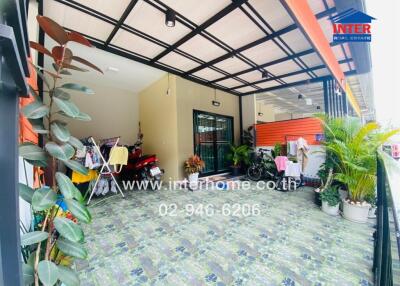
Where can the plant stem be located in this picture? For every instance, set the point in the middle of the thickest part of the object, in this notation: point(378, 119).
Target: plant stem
point(38, 251)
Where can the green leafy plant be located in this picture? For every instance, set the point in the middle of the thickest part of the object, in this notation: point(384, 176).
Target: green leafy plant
point(353, 147)
point(331, 196)
point(239, 154)
point(55, 240)
point(248, 137)
point(277, 150)
point(194, 165)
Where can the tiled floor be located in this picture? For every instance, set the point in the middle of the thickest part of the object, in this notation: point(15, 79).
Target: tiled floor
point(291, 242)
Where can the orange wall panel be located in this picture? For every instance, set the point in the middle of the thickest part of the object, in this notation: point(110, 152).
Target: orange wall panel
point(270, 133)
point(26, 133)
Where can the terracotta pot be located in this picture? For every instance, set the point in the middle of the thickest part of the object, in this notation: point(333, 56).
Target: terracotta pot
point(355, 212)
point(330, 210)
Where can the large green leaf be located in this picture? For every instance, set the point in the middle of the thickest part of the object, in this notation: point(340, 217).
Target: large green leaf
point(78, 87)
point(28, 274)
point(34, 93)
point(63, 71)
point(33, 237)
point(35, 110)
point(68, 276)
point(65, 185)
point(59, 93)
point(38, 126)
point(41, 75)
point(62, 152)
point(60, 130)
point(43, 199)
point(78, 196)
point(70, 248)
point(76, 166)
point(68, 229)
point(79, 210)
point(32, 152)
point(48, 272)
point(67, 106)
point(83, 117)
point(26, 193)
point(75, 142)
point(38, 163)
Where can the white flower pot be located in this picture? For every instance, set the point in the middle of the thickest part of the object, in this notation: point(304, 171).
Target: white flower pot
point(355, 212)
point(343, 194)
point(371, 212)
point(330, 210)
point(193, 178)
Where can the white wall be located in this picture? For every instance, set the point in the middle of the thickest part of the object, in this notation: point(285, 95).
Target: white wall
point(114, 112)
point(249, 114)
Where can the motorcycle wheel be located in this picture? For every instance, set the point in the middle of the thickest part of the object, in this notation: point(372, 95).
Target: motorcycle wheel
point(254, 173)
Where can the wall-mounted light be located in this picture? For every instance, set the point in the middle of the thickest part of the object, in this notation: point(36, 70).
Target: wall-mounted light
point(260, 114)
point(215, 102)
point(259, 110)
point(318, 107)
point(300, 96)
point(170, 17)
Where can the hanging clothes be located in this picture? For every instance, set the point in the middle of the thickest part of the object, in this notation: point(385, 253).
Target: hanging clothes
point(78, 178)
point(302, 150)
point(281, 163)
point(292, 148)
point(119, 156)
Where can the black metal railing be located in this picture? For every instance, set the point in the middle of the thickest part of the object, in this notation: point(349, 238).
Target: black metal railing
point(387, 238)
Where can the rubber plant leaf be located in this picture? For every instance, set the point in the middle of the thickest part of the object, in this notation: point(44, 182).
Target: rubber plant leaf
point(31, 151)
point(43, 199)
point(53, 30)
point(33, 237)
point(78, 210)
point(68, 276)
point(38, 47)
point(60, 130)
point(62, 152)
point(87, 63)
point(68, 229)
point(70, 248)
point(26, 193)
point(48, 272)
point(78, 38)
point(78, 87)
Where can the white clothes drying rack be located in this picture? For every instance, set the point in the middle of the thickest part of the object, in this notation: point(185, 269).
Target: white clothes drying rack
point(105, 165)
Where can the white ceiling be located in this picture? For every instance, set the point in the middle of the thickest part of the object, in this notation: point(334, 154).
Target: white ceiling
point(132, 76)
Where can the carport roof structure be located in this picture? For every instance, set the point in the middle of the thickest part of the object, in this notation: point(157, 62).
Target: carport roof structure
point(240, 46)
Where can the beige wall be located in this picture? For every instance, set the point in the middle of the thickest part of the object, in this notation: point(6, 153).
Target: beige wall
point(192, 96)
point(167, 121)
point(268, 112)
point(114, 113)
point(158, 117)
point(249, 105)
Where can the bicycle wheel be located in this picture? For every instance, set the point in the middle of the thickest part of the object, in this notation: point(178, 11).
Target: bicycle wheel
point(254, 173)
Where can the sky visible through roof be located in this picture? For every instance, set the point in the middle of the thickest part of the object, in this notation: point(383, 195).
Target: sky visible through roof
point(385, 48)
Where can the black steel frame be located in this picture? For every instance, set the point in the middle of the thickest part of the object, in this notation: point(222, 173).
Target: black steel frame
point(254, 16)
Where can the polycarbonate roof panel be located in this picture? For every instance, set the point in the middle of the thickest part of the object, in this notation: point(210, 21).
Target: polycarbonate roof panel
point(245, 89)
point(208, 74)
point(273, 13)
point(311, 60)
point(283, 68)
point(295, 78)
point(236, 29)
point(264, 53)
point(318, 6)
point(202, 48)
point(321, 72)
point(151, 21)
point(114, 9)
point(268, 84)
point(296, 41)
point(197, 12)
point(326, 26)
point(230, 82)
point(338, 51)
point(232, 65)
point(136, 44)
point(67, 17)
point(251, 76)
point(177, 61)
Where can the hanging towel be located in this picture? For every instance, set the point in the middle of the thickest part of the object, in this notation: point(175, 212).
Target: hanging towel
point(78, 178)
point(118, 156)
point(281, 163)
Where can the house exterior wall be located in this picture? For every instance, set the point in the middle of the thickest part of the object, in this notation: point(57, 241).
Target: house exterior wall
point(158, 118)
point(192, 96)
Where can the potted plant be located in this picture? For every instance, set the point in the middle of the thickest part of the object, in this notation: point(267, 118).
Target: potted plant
point(355, 147)
point(193, 165)
point(56, 236)
point(238, 155)
point(330, 199)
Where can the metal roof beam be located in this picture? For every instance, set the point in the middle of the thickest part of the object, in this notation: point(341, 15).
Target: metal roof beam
point(257, 42)
point(235, 4)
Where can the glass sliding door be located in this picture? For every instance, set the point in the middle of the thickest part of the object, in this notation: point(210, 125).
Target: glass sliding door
point(213, 134)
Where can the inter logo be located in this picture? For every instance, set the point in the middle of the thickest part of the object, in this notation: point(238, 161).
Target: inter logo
point(352, 26)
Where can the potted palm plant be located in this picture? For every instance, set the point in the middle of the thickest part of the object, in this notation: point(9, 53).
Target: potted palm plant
point(330, 201)
point(354, 147)
point(193, 165)
point(238, 155)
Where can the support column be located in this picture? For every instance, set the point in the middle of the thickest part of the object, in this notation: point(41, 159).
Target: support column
point(241, 119)
point(326, 98)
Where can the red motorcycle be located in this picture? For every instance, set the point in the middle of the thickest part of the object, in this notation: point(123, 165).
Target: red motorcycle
point(141, 167)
